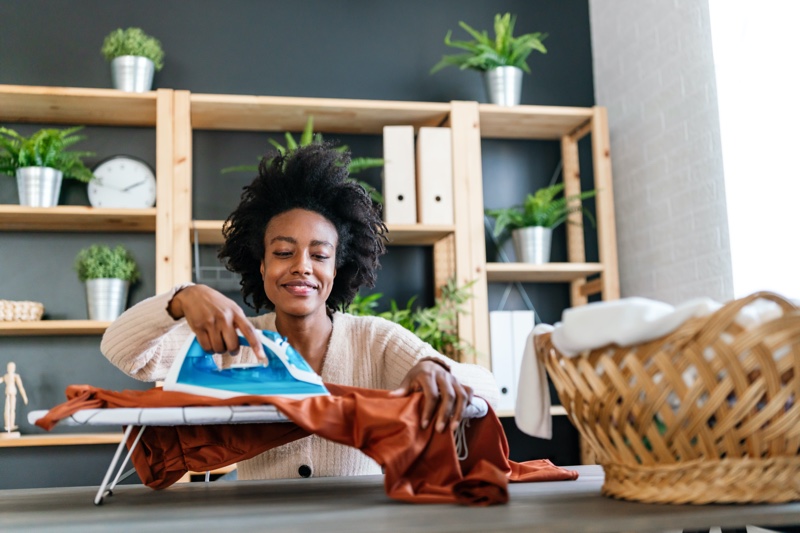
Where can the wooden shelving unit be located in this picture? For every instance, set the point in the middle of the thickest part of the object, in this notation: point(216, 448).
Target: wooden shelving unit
point(91, 107)
point(270, 114)
point(459, 249)
point(473, 122)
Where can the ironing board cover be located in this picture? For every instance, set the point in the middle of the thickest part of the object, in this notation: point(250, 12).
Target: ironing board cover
point(420, 466)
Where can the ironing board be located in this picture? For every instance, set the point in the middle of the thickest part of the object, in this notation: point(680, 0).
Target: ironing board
point(142, 417)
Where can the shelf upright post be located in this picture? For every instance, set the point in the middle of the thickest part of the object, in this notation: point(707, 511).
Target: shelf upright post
point(182, 189)
point(572, 186)
point(606, 225)
point(164, 176)
point(470, 248)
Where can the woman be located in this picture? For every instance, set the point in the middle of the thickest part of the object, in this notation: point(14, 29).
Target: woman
point(304, 238)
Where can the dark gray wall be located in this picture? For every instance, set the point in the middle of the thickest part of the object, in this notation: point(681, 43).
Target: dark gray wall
point(347, 49)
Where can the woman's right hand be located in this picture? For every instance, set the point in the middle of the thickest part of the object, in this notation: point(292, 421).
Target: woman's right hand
point(214, 319)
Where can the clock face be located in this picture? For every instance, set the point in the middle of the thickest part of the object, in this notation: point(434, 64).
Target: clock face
point(123, 182)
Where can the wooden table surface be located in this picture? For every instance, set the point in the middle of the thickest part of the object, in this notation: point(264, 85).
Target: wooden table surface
point(358, 504)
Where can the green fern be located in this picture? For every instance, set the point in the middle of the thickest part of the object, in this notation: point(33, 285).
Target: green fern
point(484, 53)
point(357, 165)
point(100, 261)
point(436, 325)
point(540, 209)
point(45, 148)
point(133, 42)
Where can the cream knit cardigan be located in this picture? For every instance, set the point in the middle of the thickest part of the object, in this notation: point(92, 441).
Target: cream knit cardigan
point(365, 352)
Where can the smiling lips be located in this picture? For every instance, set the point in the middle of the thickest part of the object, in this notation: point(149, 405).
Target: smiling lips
point(300, 288)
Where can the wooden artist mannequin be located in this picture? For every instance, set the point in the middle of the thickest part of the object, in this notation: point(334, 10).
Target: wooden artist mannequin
point(12, 380)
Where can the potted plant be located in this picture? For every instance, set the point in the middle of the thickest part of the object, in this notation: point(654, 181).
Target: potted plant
point(501, 60)
point(357, 164)
point(40, 161)
point(108, 273)
point(531, 224)
point(134, 57)
point(436, 325)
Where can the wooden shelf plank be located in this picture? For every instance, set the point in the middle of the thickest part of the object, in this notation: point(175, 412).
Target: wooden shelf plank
point(555, 410)
point(76, 218)
point(52, 327)
point(530, 121)
point(331, 115)
point(547, 273)
point(71, 439)
point(66, 105)
point(210, 232)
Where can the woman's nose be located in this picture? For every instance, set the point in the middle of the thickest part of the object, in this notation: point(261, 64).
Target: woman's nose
point(302, 263)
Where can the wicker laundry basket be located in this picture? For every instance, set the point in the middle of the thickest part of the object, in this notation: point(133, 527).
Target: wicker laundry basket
point(708, 413)
point(20, 310)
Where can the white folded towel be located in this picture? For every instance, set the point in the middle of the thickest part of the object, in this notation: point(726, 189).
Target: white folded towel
point(624, 322)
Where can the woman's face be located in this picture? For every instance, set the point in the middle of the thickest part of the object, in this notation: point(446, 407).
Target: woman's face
point(299, 262)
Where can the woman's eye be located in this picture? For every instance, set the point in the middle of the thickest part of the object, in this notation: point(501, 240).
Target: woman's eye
point(320, 257)
point(281, 254)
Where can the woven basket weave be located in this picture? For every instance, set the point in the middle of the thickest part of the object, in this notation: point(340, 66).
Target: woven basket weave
point(708, 413)
point(19, 310)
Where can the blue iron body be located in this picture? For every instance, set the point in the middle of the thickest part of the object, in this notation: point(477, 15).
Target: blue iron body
point(285, 372)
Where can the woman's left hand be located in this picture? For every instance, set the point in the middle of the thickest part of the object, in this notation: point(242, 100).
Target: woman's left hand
point(445, 397)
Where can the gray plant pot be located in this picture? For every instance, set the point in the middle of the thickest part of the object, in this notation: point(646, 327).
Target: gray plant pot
point(39, 186)
point(503, 85)
point(106, 298)
point(532, 244)
point(132, 74)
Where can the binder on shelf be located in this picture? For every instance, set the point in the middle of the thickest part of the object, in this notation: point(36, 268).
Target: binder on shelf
point(522, 323)
point(435, 176)
point(500, 333)
point(399, 175)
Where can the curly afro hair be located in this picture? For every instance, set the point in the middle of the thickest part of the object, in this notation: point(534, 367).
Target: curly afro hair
point(315, 178)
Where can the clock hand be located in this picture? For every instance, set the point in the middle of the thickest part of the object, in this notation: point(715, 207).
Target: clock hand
point(129, 187)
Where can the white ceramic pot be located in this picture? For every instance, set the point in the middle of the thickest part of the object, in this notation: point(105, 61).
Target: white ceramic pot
point(39, 186)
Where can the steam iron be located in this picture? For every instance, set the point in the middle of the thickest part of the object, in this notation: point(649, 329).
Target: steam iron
point(285, 373)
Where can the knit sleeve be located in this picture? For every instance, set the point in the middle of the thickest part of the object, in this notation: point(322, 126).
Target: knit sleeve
point(403, 350)
point(143, 341)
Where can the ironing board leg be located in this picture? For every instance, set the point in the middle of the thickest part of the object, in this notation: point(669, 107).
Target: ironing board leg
point(127, 458)
point(98, 499)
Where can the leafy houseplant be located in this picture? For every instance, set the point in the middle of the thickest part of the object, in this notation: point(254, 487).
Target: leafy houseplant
point(539, 215)
point(29, 158)
point(435, 325)
point(108, 273)
point(133, 42)
point(500, 59)
point(134, 56)
point(100, 261)
point(357, 164)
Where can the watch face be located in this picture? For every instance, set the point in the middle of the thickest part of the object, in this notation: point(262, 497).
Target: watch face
point(123, 182)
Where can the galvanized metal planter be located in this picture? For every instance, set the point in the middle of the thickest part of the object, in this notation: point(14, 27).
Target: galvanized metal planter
point(503, 85)
point(106, 298)
point(132, 73)
point(39, 186)
point(532, 244)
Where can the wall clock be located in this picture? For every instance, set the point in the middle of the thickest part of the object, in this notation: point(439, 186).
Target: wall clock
point(123, 181)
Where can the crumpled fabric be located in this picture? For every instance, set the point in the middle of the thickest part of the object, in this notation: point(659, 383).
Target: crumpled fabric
point(420, 465)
